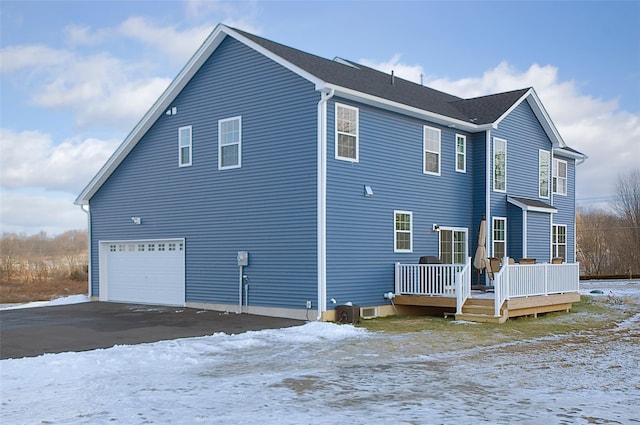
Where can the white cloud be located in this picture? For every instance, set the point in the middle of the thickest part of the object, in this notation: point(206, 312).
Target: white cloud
point(179, 45)
point(84, 35)
point(17, 58)
point(412, 73)
point(29, 213)
point(31, 159)
point(599, 128)
point(240, 15)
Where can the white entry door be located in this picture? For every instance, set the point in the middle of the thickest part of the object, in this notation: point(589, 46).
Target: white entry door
point(147, 272)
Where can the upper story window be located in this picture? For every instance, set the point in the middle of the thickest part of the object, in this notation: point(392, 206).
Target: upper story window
point(184, 146)
point(559, 176)
point(461, 153)
point(499, 165)
point(403, 231)
point(431, 140)
point(500, 237)
point(230, 143)
point(544, 164)
point(346, 133)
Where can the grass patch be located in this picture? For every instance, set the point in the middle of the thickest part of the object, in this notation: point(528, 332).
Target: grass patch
point(45, 290)
point(588, 314)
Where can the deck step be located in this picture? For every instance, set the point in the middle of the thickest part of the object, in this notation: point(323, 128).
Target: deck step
point(477, 309)
point(484, 318)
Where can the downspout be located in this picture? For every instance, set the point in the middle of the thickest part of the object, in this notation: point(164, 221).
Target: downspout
point(86, 211)
point(487, 206)
point(325, 95)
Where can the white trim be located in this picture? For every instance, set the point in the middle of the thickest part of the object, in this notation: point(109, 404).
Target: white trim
point(356, 134)
point(525, 223)
point(493, 165)
point(549, 161)
point(464, 153)
point(493, 241)
point(425, 150)
point(525, 207)
point(238, 143)
point(395, 231)
point(488, 177)
point(322, 202)
point(180, 146)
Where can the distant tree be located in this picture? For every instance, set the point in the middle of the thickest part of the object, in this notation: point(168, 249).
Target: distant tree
point(627, 206)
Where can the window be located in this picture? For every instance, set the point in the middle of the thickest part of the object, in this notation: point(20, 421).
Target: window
point(559, 241)
point(346, 133)
point(431, 140)
point(229, 143)
point(543, 173)
point(184, 146)
point(453, 246)
point(403, 229)
point(461, 153)
point(559, 176)
point(499, 237)
point(499, 165)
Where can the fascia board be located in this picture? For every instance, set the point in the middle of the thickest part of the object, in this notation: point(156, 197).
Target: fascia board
point(357, 96)
point(526, 207)
point(569, 154)
point(155, 112)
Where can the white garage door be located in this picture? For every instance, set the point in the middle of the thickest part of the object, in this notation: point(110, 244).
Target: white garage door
point(149, 272)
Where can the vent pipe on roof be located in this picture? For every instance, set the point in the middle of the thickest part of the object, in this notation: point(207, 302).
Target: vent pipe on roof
point(422, 79)
point(393, 78)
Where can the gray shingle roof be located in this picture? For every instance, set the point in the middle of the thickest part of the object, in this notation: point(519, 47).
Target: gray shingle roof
point(480, 110)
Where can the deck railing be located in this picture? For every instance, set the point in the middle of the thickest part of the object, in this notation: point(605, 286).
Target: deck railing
point(526, 280)
point(512, 281)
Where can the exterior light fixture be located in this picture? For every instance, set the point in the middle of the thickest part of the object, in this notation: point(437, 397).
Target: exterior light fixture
point(136, 220)
point(436, 228)
point(368, 191)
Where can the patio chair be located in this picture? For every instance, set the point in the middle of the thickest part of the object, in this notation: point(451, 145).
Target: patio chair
point(557, 260)
point(493, 266)
point(527, 261)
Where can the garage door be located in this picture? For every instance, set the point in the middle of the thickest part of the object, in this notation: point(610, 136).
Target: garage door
point(149, 272)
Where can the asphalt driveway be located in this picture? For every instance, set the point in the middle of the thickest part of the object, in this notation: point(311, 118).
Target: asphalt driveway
point(31, 332)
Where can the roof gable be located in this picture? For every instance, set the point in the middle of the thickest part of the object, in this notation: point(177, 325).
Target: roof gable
point(347, 79)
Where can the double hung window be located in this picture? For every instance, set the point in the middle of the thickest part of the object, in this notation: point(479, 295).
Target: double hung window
point(499, 165)
point(184, 146)
point(559, 241)
point(559, 176)
point(431, 142)
point(461, 153)
point(403, 231)
point(346, 133)
point(230, 143)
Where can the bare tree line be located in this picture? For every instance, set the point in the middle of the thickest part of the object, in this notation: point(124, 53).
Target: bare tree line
point(40, 258)
point(608, 242)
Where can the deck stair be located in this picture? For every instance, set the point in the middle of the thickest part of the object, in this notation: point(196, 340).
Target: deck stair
point(481, 310)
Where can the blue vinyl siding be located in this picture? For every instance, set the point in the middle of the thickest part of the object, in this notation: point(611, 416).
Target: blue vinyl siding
point(360, 236)
point(538, 236)
point(266, 207)
point(514, 232)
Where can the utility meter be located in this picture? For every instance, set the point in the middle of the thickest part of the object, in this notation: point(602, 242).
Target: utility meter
point(243, 258)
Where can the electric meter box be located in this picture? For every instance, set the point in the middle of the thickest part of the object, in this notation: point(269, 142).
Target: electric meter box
point(243, 258)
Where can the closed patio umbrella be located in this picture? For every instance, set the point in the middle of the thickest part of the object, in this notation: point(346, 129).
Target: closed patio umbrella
point(480, 260)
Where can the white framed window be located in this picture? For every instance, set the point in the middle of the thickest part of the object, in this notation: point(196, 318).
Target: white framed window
point(229, 143)
point(544, 165)
point(347, 133)
point(499, 237)
point(461, 153)
point(453, 245)
point(559, 176)
point(559, 241)
point(403, 231)
point(499, 165)
point(184, 146)
point(431, 144)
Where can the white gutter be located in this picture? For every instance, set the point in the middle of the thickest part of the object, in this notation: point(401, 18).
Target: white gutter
point(325, 95)
point(86, 211)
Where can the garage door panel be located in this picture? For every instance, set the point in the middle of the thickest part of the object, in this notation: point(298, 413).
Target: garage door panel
point(149, 272)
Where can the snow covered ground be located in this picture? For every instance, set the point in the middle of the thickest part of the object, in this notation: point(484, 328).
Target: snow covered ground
point(322, 373)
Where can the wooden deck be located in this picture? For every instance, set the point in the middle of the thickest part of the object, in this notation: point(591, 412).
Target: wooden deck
point(480, 306)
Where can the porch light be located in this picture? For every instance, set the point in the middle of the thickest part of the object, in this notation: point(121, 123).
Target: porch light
point(368, 191)
point(136, 220)
point(436, 228)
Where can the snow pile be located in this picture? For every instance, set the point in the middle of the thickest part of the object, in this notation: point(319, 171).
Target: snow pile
point(71, 299)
